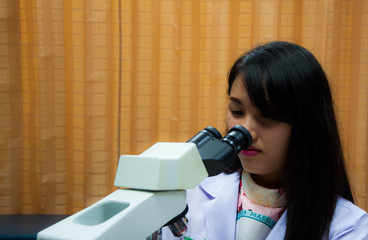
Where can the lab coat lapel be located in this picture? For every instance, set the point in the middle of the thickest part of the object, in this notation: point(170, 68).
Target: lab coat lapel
point(220, 211)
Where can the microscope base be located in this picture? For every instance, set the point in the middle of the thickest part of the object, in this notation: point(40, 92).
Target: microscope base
point(124, 214)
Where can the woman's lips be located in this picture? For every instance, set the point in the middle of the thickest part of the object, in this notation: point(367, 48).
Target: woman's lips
point(250, 152)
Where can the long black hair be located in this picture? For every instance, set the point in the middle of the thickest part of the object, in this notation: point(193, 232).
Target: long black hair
point(286, 83)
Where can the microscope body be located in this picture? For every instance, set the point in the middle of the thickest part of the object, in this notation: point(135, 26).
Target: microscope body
point(154, 184)
point(155, 181)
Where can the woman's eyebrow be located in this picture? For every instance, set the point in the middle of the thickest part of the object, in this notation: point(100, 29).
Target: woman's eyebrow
point(235, 100)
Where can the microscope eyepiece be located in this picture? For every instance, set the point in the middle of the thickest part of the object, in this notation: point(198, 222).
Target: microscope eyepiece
point(239, 138)
point(213, 131)
point(204, 136)
point(218, 153)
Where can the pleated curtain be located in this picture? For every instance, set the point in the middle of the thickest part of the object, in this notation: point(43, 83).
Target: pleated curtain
point(85, 81)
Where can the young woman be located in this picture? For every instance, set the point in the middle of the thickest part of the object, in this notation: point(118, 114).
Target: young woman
point(291, 183)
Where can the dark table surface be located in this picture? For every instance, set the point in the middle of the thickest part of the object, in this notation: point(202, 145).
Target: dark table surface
point(25, 226)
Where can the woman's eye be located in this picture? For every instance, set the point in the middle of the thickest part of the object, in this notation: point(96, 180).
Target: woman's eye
point(237, 113)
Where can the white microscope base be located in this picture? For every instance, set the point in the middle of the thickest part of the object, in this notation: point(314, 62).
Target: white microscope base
point(124, 214)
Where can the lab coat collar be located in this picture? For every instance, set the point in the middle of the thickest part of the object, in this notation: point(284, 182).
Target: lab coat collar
point(213, 186)
point(220, 212)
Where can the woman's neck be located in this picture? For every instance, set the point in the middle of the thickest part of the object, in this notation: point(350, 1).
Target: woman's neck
point(272, 181)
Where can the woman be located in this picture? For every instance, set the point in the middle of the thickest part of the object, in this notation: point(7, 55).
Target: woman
point(291, 183)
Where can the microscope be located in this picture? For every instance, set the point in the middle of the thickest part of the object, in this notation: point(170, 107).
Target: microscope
point(153, 186)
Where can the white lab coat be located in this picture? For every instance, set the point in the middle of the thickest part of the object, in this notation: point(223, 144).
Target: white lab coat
point(212, 214)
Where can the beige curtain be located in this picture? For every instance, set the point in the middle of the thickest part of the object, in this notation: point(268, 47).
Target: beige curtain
point(82, 82)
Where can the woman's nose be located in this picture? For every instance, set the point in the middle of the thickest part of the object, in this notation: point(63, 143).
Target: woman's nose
point(249, 124)
point(254, 135)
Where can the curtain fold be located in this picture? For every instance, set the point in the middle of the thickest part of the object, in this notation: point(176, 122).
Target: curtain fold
point(82, 82)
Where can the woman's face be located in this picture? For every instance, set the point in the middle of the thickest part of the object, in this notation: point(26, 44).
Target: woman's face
point(265, 159)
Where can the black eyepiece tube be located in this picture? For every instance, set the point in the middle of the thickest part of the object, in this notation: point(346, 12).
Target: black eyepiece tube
point(204, 136)
point(218, 153)
point(239, 138)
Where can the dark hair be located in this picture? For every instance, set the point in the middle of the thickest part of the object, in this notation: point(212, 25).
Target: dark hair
point(286, 83)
